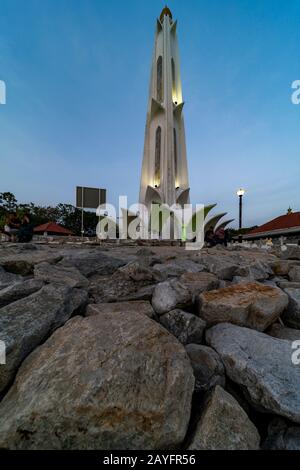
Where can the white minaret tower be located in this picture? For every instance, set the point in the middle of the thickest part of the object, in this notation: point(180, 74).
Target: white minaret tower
point(164, 176)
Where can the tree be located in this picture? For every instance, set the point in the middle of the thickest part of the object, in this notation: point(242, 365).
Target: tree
point(8, 202)
point(63, 214)
point(70, 217)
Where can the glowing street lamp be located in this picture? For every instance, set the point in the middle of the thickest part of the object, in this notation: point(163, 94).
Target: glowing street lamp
point(240, 193)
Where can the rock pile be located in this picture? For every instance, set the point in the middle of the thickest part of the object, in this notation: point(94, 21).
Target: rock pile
point(116, 347)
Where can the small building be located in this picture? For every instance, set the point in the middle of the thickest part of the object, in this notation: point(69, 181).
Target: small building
point(51, 228)
point(287, 225)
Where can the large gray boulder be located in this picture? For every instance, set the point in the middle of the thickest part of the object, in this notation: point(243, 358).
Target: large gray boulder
point(143, 307)
point(92, 262)
point(261, 365)
point(224, 425)
point(249, 304)
point(104, 382)
point(207, 366)
point(181, 293)
point(26, 323)
point(291, 316)
point(187, 328)
point(68, 275)
point(19, 290)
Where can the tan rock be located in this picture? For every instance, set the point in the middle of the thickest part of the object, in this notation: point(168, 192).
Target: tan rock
point(224, 425)
point(109, 381)
point(140, 306)
point(249, 304)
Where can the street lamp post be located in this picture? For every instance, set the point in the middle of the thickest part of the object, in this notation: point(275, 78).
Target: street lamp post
point(240, 192)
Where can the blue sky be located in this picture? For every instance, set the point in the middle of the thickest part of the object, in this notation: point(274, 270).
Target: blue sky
point(77, 75)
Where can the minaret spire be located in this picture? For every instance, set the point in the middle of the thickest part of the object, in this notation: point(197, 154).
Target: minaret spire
point(165, 12)
point(164, 176)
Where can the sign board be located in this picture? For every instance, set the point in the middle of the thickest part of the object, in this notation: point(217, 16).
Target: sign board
point(90, 198)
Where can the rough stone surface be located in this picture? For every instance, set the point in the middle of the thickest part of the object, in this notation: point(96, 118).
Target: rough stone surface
point(291, 316)
point(282, 436)
point(134, 281)
point(199, 282)
point(239, 280)
point(261, 365)
point(226, 263)
point(224, 425)
point(292, 252)
point(140, 306)
point(139, 272)
point(169, 295)
point(281, 332)
point(7, 279)
point(178, 267)
point(207, 366)
point(118, 380)
point(257, 271)
point(60, 274)
point(222, 266)
point(294, 274)
point(91, 262)
point(122, 286)
point(143, 293)
point(250, 304)
point(22, 261)
point(102, 382)
point(26, 323)
point(145, 252)
point(19, 290)
point(288, 284)
point(186, 327)
point(180, 293)
point(281, 267)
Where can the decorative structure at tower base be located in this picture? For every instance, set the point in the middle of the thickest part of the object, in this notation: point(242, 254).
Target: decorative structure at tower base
point(164, 178)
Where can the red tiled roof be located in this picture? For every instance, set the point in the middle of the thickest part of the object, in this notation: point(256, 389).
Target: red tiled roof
point(283, 222)
point(53, 228)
